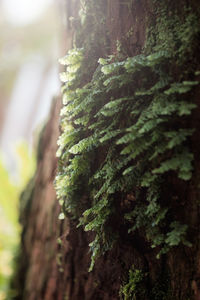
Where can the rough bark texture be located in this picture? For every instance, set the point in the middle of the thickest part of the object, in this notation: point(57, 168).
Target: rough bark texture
point(48, 268)
point(52, 269)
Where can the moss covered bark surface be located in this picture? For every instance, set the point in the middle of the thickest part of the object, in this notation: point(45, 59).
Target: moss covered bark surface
point(128, 172)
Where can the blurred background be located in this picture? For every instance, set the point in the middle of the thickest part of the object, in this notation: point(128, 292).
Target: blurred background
point(29, 30)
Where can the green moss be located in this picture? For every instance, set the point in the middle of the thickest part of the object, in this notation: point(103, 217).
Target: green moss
point(133, 289)
point(125, 129)
point(176, 33)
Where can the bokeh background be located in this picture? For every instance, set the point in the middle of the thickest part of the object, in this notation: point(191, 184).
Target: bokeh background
point(29, 33)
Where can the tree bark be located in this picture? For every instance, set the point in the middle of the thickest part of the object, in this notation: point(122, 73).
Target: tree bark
point(55, 256)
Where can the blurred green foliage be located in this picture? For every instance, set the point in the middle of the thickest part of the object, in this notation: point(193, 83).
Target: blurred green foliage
point(18, 44)
point(9, 226)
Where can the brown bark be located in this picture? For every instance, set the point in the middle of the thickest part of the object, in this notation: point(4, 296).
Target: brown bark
point(52, 269)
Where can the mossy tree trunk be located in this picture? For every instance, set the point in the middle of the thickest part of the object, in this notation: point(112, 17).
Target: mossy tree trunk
point(145, 224)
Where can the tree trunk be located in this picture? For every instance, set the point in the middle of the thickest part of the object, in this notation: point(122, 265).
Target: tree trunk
point(55, 255)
